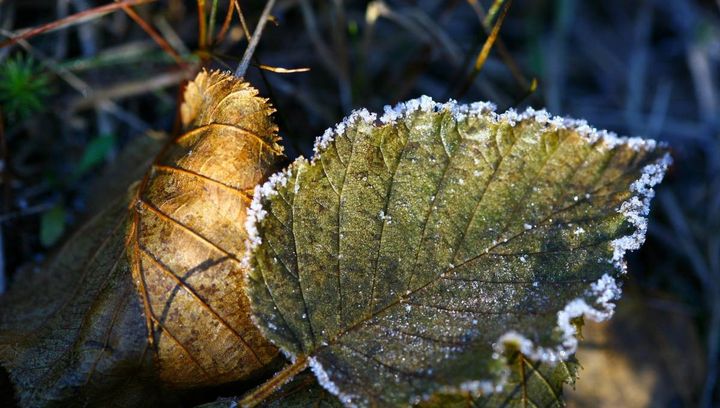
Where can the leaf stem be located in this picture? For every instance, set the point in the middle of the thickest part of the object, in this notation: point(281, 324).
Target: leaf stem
point(282, 377)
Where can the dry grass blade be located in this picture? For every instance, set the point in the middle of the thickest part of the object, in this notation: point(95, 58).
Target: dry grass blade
point(211, 23)
point(226, 23)
point(129, 89)
point(74, 19)
point(492, 12)
point(485, 51)
point(280, 70)
point(202, 28)
point(153, 34)
point(502, 49)
point(243, 23)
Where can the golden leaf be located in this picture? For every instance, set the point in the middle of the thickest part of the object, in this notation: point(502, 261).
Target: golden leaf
point(187, 234)
point(163, 257)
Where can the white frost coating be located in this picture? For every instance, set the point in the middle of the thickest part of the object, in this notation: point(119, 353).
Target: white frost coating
point(460, 112)
point(605, 290)
point(325, 381)
point(426, 104)
point(476, 388)
point(637, 208)
point(329, 135)
point(256, 213)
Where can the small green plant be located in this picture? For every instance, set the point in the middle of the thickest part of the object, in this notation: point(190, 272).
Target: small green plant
point(23, 87)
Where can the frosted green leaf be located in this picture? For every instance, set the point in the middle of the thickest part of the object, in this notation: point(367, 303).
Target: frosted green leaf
point(414, 248)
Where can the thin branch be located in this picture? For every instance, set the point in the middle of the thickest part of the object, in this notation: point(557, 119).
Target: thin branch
point(250, 50)
point(265, 390)
point(153, 34)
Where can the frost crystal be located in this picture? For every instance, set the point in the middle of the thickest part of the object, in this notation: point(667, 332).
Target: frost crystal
point(256, 213)
point(325, 381)
point(605, 290)
point(637, 208)
point(391, 114)
point(361, 115)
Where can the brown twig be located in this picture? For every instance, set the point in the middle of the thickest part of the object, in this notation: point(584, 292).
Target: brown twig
point(226, 23)
point(250, 50)
point(78, 18)
point(153, 34)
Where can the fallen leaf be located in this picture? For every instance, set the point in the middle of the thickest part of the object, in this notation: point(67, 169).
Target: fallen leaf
point(148, 295)
point(187, 234)
point(415, 248)
point(72, 331)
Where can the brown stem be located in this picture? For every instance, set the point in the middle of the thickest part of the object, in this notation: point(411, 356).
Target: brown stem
point(282, 377)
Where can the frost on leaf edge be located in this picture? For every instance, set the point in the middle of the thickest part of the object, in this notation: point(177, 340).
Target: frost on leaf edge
point(604, 291)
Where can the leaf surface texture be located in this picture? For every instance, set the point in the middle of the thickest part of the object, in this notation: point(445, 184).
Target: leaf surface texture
point(412, 248)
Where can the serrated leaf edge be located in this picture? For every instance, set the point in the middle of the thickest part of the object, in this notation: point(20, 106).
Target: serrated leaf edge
point(605, 290)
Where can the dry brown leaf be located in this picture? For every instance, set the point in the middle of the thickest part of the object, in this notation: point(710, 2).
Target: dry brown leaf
point(73, 330)
point(187, 234)
point(74, 333)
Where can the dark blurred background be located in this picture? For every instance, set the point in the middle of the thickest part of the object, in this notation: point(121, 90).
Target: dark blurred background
point(74, 98)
